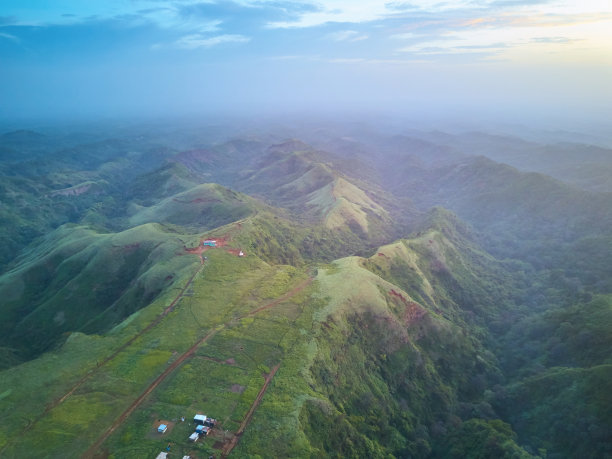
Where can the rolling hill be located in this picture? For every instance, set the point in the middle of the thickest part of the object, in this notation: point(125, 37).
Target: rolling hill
point(368, 294)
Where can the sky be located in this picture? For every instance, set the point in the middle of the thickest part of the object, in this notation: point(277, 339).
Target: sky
point(513, 58)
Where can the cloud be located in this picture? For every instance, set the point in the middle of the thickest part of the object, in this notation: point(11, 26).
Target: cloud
point(347, 35)
point(346, 60)
point(340, 11)
point(8, 36)
point(555, 40)
point(195, 41)
point(404, 36)
point(401, 6)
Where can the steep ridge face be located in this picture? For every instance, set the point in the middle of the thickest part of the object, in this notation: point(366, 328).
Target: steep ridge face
point(315, 192)
point(112, 273)
point(395, 366)
point(170, 179)
point(343, 204)
point(223, 163)
point(54, 182)
point(76, 279)
point(313, 330)
point(520, 215)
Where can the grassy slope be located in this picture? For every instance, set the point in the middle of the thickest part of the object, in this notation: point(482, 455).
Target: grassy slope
point(43, 189)
point(380, 372)
point(396, 337)
point(204, 206)
point(78, 279)
point(302, 182)
point(228, 286)
point(355, 334)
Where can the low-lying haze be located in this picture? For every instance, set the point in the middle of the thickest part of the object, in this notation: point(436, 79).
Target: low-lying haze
point(532, 61)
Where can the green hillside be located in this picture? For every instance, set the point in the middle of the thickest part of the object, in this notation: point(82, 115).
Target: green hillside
point(368, 295)
point(203, 207)
point(78, 279)
point(380, 362)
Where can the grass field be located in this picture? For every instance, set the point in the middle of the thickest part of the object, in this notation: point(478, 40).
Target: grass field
point(339, 347)
point(225, 291)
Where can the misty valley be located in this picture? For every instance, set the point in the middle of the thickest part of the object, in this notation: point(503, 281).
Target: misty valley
point(313, 290)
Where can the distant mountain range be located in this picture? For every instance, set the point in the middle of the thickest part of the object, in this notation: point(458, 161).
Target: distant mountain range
point(368, 294)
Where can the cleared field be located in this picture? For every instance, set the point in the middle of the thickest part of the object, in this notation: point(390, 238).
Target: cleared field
point(227, 289)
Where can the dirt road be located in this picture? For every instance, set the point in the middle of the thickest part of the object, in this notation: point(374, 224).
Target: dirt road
point(174, 365)
point(121, 348)
point(136, 403)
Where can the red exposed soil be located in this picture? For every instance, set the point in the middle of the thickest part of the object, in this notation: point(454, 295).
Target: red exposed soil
point(90, 453)
point(159, 422)
point(94, 450)
point(136, 403)
point(221, 242)
point(413, 311)
point(121, 348)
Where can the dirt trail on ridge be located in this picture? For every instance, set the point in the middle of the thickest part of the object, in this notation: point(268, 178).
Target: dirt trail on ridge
point(174, 365)
point(136, 403)
point(117, 351)
point(227, 449)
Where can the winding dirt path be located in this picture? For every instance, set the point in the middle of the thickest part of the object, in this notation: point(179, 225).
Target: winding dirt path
point(117, 351)
point(136, 403)
point(121, 348)
point(174, 365)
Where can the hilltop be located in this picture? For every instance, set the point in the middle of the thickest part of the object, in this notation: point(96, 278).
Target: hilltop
point(388, 295)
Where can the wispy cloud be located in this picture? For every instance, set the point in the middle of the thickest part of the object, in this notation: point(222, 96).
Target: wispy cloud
point(555, 40)
point(366, 61)
point(195, 41)
point(347, 35)
point(8, 36)
point(403, 36)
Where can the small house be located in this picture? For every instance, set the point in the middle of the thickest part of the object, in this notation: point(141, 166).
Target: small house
point(194, 437)
point(209, 243)
point(162, 428)
point(199, 419)
point(202, 430)
point(162, 455)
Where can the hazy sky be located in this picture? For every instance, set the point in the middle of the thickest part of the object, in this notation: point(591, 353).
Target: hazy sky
point(113, 57)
